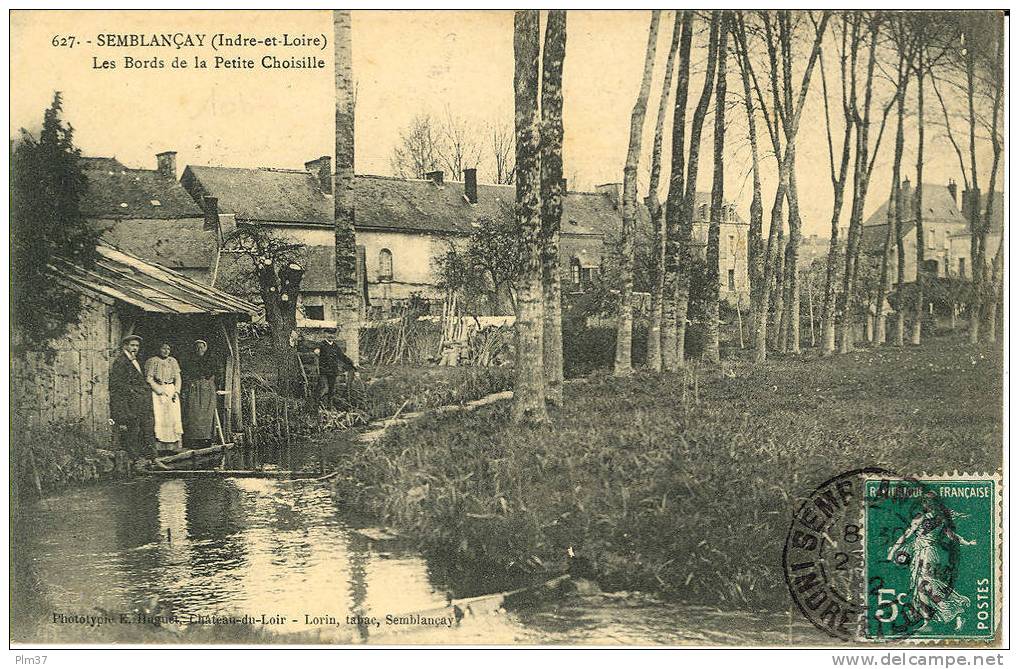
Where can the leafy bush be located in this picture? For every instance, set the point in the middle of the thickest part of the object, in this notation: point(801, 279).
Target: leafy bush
point(55, 454)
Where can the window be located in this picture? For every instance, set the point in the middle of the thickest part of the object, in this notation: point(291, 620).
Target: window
point(575, 271)
point(704, 212)
point(930, 238)
point(732, 280)
point(732, 245)
point(385, 265)
point(315, 312)
point(962, 267)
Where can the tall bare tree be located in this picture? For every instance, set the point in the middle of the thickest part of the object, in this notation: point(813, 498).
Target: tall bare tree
point(755, 245)
point(624, 328)
point(657, 211)
point(782, 122)
point(674, 249)
point(848, 55)
point(460, 147)
point(711, 348)
point(348, 298)
point(418, 150)
point(529, 384)
point(864, 157)
point(552, 194)
point(904, 45)
point(690, 194)
point(502, 147)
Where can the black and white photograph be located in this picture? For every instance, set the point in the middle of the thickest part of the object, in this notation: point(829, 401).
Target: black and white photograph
point(660, 328)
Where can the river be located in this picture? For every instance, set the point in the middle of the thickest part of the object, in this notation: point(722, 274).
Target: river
point(206, 549)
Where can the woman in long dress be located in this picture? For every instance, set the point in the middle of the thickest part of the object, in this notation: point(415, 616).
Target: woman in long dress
point(920, 546)
point(163, 375)
point(199, 396)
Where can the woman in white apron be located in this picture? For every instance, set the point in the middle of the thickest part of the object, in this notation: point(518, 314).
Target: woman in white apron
point(163, 374)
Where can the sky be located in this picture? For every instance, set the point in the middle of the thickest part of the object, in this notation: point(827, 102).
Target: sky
point(405, 63)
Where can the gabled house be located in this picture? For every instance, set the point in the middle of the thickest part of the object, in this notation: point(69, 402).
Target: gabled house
point(148, 213)
point(946, 231)
point(942, 222)
point(401, 225)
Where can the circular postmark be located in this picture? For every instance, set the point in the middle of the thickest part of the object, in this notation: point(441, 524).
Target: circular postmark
point(852, 535)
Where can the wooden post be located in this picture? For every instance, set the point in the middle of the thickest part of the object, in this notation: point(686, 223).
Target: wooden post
point(252, 409)
point(810, 307)
point(286, 423)
point(739, 321)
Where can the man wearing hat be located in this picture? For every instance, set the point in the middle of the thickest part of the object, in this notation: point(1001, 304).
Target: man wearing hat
point(130, 401)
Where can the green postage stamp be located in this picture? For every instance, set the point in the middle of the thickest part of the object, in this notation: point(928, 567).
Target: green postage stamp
point(932, 558)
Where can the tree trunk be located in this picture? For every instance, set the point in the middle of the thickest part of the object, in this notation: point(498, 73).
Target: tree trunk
point(348, 295)
point(675, 203)
point(755, 250)
point(894, 221)
point(778, 291)
point(711, 343)
point(918, 313)
point(529, 382)
point(552, 199)
point(686, 218)
point(657, 211)
point(624, 331)
point(793, 261)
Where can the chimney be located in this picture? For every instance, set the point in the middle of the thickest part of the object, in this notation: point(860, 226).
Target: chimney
point(563, 184)
point(906, 186)
point(322, 169)
point(210, 205)
point(166, 164)
point(614, 191)
point(435, 177)
point(470, 184)
point(953, 190)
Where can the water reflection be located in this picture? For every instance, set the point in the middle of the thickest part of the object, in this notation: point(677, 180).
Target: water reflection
point(204, 547)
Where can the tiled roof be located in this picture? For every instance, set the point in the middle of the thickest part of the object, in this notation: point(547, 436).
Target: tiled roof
point(118, 192)
point(938, 207)
point(175, 243)
point(294, 197)
point(261, 195)
point(149, 287)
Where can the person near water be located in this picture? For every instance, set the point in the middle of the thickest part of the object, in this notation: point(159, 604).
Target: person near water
point(331, 361)
point(163, 375)
point(130, 401)
point(199, 416)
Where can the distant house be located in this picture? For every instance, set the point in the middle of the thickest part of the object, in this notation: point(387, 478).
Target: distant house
point(946, 232)
point(401, 225)
point(960, 242)
point(732, 245)
point(149, 214)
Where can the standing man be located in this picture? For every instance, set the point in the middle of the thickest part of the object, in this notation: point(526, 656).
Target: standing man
point(130, 401)
point(331, 360)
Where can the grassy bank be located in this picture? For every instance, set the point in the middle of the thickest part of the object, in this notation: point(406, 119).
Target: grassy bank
point(659, 492)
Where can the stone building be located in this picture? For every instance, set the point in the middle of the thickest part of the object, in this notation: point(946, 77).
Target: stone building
point(946, 232)
point(148, 213)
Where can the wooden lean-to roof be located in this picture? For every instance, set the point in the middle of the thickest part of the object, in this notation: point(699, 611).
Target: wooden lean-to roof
point(152, 288)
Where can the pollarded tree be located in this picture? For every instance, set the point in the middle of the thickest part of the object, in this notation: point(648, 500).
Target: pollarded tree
point(348, 298)
point(277, 271)
point(624, 328)
point(529, 384)
point(552, 194)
